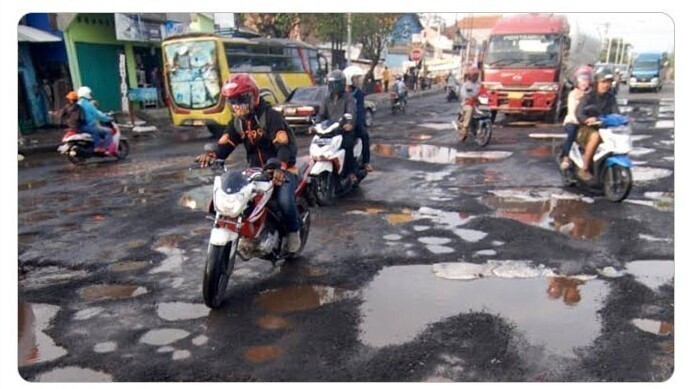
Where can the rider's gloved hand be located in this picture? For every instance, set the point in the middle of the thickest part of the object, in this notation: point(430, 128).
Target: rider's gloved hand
point(278, 177)
point(205, 159)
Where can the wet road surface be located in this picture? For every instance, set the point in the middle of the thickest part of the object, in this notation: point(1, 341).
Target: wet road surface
point(451, 263)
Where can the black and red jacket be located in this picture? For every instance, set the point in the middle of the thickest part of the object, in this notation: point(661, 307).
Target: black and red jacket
point(265, 135)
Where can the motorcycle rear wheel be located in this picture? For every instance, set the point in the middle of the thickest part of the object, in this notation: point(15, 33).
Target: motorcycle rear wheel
point(305, 220)
point(325, 188)
point(617, 183)
point(122, 149)
point(220, 263)
point(483, 134)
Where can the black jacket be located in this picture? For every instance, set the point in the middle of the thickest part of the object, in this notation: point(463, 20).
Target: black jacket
point(264, 135)
point(606, 104)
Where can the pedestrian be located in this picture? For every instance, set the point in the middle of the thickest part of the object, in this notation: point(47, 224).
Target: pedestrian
point(155, 80)
point(386, 77)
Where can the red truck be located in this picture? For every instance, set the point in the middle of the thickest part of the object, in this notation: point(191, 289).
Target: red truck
point(528, 65)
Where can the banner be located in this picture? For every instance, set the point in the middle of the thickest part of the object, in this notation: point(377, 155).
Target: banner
point(130, 27)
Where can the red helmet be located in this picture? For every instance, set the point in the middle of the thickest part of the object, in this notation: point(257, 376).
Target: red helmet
point(242, 87)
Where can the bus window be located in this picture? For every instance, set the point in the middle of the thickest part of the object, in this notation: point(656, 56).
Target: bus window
point(193, 73)
point(262, 59)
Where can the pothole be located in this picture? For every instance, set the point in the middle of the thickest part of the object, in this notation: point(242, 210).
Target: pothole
point(298, 298)
point(110, 292)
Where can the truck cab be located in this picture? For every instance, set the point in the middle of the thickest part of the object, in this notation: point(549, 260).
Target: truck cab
point(646, 72)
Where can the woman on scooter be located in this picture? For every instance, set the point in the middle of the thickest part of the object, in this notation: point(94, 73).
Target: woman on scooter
point(583, 77)
point(603, 99)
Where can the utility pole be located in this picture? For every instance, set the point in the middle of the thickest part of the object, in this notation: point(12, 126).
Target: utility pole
point(349, 36)
point(608, 51)
point(621, 45)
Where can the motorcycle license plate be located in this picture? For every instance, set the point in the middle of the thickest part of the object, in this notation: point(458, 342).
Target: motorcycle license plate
point(322, 142)
point(515, 95)
point(198, 122)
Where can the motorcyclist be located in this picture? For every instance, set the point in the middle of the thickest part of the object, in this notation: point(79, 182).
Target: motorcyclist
point(400, 89)
point(335, 106)
point(353, 80)
point(71, 114)
point(468, 91)
point(602, 100)
point(583, 77)
point(265, 135)
point(452, 83)
point(102, 136)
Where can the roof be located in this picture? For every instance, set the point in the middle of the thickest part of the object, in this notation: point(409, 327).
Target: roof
point(31, 34)
point(478, 22)
point(530, 24)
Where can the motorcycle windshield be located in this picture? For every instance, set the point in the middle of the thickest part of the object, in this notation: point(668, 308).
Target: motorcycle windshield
point(233, 181)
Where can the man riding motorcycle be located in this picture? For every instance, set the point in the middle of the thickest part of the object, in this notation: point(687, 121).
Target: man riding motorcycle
point(353, 80)
point(603, 98)
point(468, 91)
point(102, 137)
point(400, 88)
point(335, 106)
point(264, 134)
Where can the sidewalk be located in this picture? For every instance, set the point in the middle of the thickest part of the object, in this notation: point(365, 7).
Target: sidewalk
point(157, 121)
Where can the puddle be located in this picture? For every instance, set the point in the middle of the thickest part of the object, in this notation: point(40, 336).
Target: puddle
point(173, 262)
point(432, 240)
point(662, 201)
point(438, 126)
point(34, 346)
point(272, 322)
point(438, 154)
point(637, 138)
point(470, 235)
point(32, 185)
point(665, 124)
point(547, 136)
point(165, 349)
point(436, 249)
point(550, 210)
point(398, 218)
point(392, 237)
point(297, 298)
point(654, 239)
point(50, 275)
point(643, 173)
point(639, 151)
point(88, 313)
point(392, 315)
point(127, 266)
point(181, 354)
point(436, 176)
point(105, 347)
point(487, 253)
point(110, 292)
point(497, 243)
point(420, 228)
point(74, 374)
point(197, 198)
point(181, 311)
point(200, 340)
point(655, 327)
point(652, 274)
point(258, 354)
point(419, 136)
point(163, 337)
point(542, 151)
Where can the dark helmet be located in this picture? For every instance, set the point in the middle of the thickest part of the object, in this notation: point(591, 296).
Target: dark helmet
point(336, 81)
point(603, 73)
point(243, 89)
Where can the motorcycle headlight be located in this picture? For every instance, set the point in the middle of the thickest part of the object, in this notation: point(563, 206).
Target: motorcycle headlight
point(230, 205)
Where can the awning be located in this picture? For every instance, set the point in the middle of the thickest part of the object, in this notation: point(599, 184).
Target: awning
point(30, 34)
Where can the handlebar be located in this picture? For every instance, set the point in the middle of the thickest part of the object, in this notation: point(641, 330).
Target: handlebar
point(216, 164)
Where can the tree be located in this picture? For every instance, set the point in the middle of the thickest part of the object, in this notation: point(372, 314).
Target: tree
point(373, 31)
point(280, 25)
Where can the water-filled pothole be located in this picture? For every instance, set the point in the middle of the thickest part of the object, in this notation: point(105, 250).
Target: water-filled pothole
point(438, 154)
point(298, 298)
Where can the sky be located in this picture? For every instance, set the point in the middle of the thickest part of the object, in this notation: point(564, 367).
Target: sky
point(646, 31)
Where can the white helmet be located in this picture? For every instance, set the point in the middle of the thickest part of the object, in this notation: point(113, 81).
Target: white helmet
point(352, 71)
point(85, 92)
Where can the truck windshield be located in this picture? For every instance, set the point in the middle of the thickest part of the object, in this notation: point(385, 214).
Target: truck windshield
point(192, 69)
point(523, 51)
point(646, 65)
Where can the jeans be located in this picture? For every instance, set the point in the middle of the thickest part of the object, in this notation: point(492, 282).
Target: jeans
point(571, 130)
point(287, 202)
point(348, 145)
point(101, 135)
point(363, 134)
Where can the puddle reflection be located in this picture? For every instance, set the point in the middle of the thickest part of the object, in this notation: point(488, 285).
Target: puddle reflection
point(437, 154)
point(298, 298)
point(110, 292)
point(393, 315)
point(258, 354)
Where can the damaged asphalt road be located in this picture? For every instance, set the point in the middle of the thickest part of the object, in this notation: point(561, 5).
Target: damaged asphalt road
point(451, 263)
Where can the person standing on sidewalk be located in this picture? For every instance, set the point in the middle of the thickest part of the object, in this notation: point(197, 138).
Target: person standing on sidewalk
point(386, 78)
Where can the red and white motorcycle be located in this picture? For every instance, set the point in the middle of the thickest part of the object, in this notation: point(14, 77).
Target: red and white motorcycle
point(79, 146)
point(248, 223)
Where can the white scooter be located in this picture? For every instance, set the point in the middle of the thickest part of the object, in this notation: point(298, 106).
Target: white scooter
point(611, 166)
point(326, 178)
point(79, 146)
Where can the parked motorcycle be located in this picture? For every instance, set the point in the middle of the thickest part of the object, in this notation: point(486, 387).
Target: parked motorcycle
point(247, 223)
point(480, 127)
point(452, 93)
point(79, 146)
point(398, 103)
point(326, 178)
point(611, 165)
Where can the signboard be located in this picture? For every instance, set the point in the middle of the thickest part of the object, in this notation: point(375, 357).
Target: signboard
point(123, 83)
point(130, 27)
point(416, 54)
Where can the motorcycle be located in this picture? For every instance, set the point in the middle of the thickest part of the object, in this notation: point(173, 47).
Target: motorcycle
point(452, 93)
point(480, 125)
point(398, 103)
point(79, 146)
point(325, 175)
point(611, 165)
point(247, 223)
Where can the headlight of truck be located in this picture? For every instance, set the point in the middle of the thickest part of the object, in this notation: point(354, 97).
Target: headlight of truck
point(545, 86)
point(655, 80)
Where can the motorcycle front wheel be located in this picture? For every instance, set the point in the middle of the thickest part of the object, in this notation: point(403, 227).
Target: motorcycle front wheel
point(325, 189)
point(73, 155)
point(483, 134)
point(220, 263)
point(617, 183)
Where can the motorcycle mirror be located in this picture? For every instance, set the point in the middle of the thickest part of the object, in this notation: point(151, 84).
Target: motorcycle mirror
point(213, 147)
